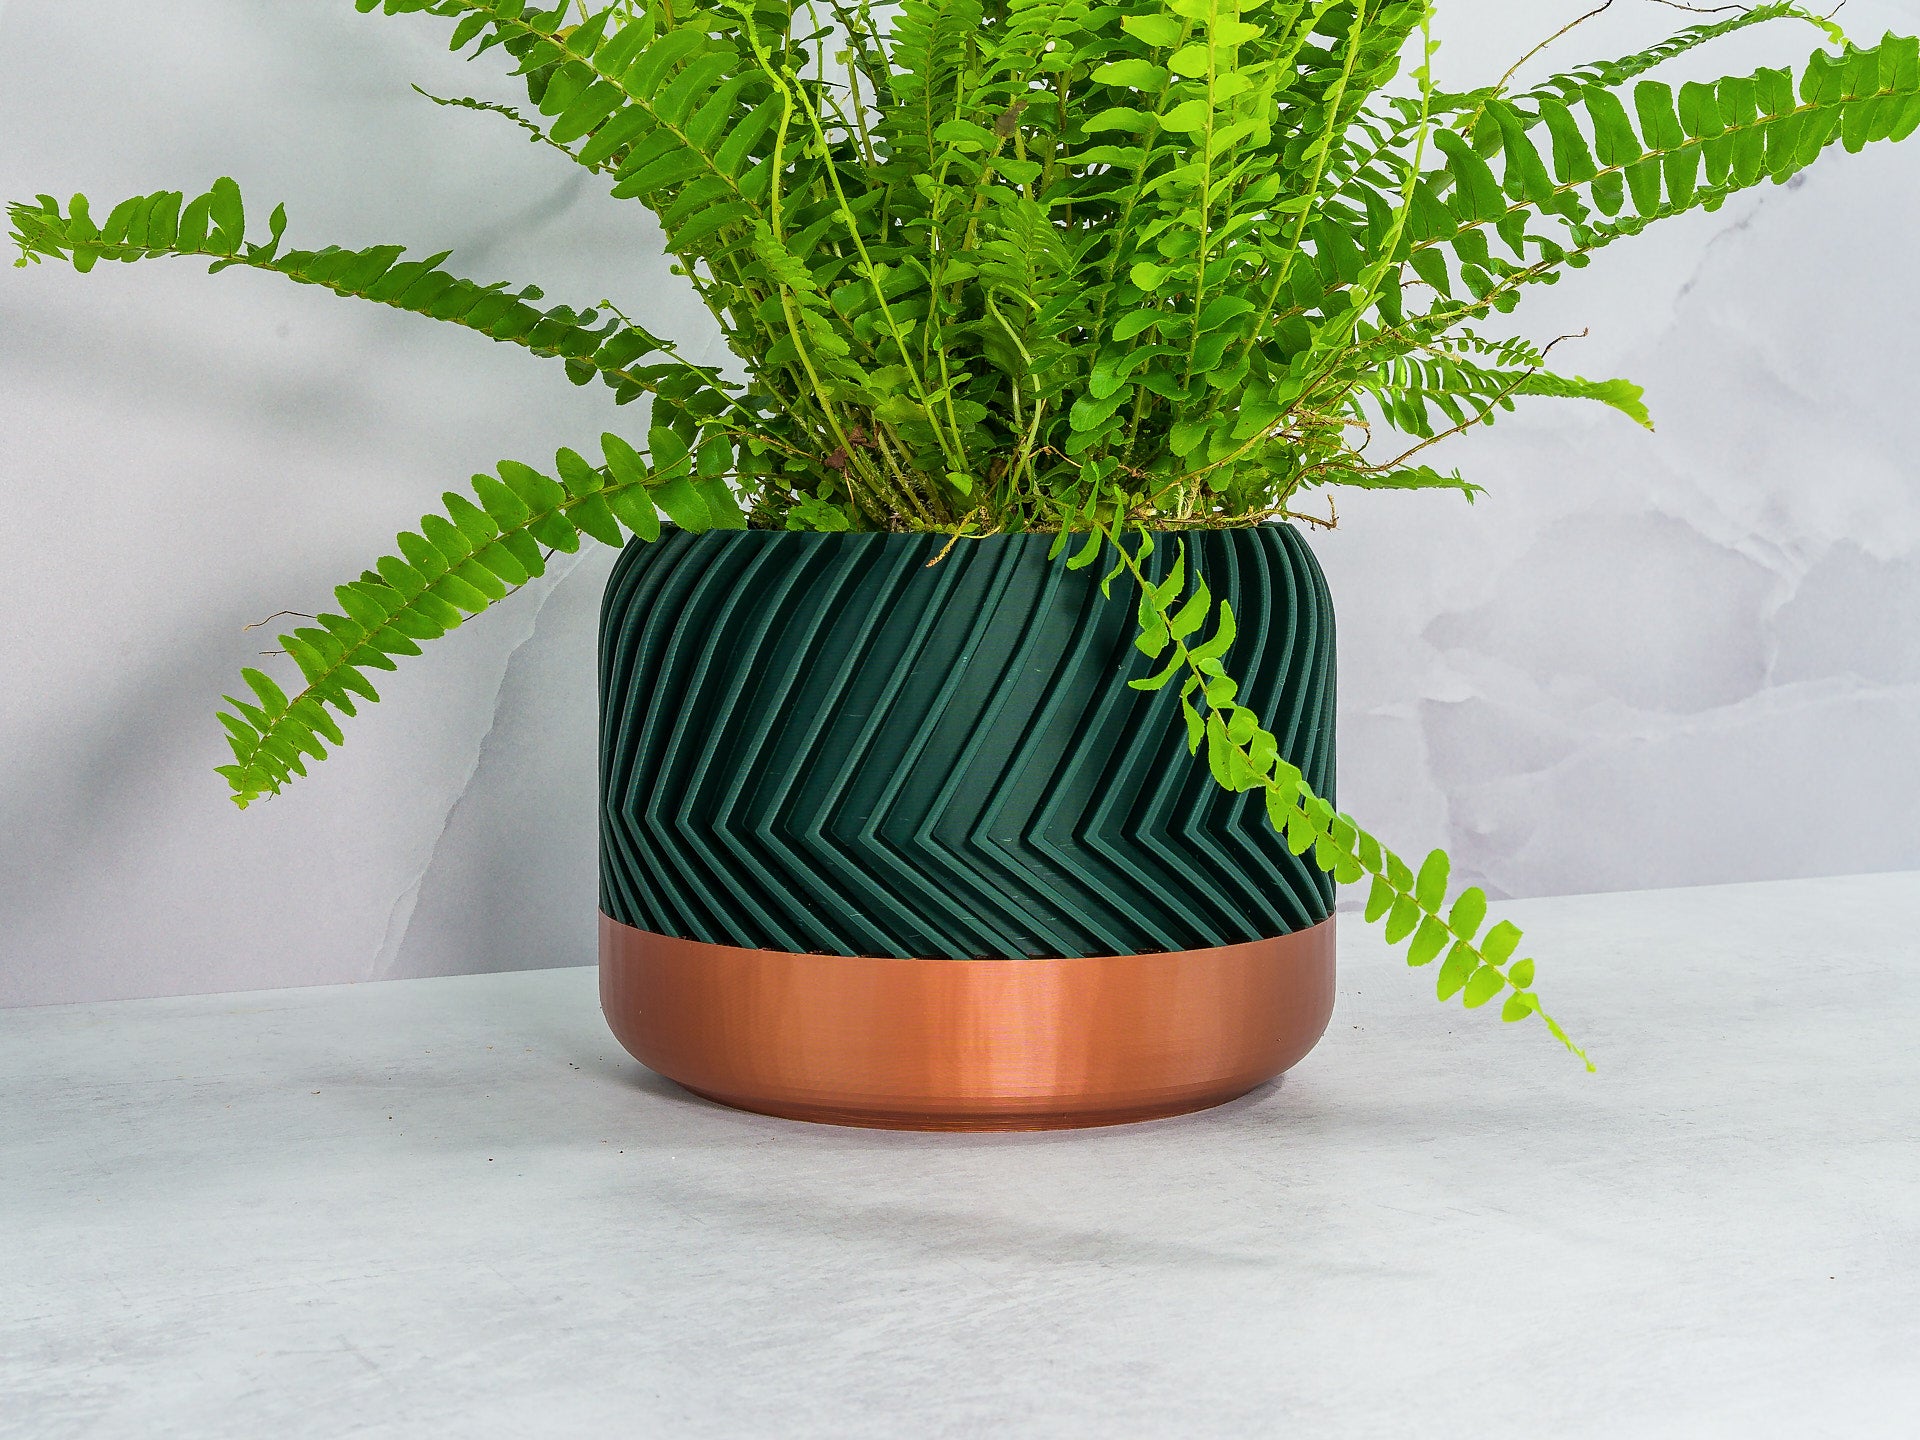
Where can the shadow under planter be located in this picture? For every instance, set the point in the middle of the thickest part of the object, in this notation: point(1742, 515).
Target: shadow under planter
point(888, 842)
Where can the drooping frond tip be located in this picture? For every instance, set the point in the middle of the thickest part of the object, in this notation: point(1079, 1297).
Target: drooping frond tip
point(474, 551)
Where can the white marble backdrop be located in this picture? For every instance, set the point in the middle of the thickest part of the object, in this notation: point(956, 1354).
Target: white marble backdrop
point(1641, 660)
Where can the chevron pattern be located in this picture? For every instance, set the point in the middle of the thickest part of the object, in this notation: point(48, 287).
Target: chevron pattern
point(816, 743)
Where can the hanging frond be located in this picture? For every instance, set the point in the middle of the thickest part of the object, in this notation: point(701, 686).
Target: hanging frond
point(1175, 615)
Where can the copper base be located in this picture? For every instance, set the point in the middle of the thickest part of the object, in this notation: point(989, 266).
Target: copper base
point(967, 1044)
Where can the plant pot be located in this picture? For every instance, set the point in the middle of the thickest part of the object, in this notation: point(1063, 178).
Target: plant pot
point(887, 838)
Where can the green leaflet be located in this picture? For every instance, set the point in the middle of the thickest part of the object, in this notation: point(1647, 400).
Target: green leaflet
point(1621, 395)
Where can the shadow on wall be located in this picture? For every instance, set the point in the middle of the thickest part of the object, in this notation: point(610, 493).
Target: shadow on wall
point(513, 882)
point(107, 772)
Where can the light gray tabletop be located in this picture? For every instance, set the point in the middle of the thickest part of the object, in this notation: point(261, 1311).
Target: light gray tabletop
point(455, 1207)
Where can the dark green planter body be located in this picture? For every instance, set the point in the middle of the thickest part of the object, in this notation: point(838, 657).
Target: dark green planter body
point(818, 743)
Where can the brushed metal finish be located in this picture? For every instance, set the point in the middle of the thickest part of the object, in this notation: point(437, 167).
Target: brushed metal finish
point(967, 1044)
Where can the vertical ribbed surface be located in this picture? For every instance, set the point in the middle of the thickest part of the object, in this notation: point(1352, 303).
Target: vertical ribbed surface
point(816, 743)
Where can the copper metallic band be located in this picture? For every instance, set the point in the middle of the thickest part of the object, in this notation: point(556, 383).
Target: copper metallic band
point(967, 1044)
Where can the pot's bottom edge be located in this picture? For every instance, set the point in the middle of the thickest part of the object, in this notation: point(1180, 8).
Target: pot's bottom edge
point(967, 1045)
point(977, 1122)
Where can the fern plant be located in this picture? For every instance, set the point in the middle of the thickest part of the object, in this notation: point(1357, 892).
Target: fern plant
point(1110, 271)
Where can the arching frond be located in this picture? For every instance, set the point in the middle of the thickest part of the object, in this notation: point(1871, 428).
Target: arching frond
point(212, 227)
point(475, 550)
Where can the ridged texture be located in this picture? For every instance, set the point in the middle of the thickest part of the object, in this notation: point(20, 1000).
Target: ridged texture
point(817, 743)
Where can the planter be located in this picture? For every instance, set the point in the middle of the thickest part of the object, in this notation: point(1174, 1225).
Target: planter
point(892, 843)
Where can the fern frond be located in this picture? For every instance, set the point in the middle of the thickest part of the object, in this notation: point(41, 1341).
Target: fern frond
point(1394, 477)
point(213, 227)
point(536, 133)
point(1323, 91)
point(1451, 378)
point(475, 550)
point(932, 44)
point(1174, 615)
point(1606, 174)
point(657, 104)
point(1612, 74)
point(681, 116)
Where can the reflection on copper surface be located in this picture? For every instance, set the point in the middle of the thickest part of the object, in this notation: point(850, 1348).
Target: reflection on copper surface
point(967, 1044)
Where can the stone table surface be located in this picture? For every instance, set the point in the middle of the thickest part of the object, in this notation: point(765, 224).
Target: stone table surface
point(455, 1207)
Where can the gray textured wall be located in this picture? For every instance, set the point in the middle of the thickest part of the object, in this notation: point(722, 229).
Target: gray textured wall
point(1641, 660)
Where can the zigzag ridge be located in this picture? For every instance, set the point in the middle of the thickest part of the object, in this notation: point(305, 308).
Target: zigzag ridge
point(821, 744)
